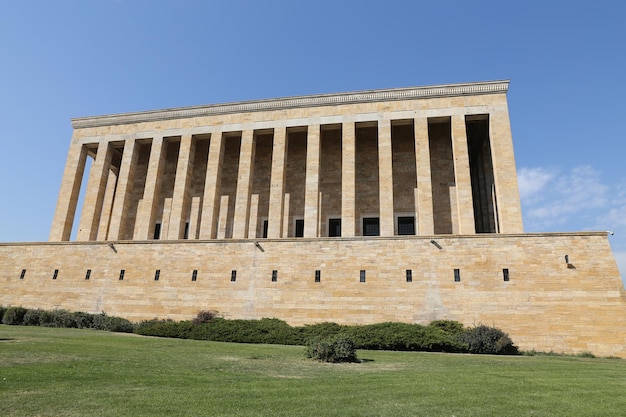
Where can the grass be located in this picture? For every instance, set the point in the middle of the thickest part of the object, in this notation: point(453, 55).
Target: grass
point(70, 372)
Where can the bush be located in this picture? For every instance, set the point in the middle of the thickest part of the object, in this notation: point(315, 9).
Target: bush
point(402, 336)
point(485, 339)
point(344, 350)
point(63, 319)
point(119, 324)
point(204, 316)
point(329, 342)
point(82, 320)
point(266, 330)
point(14, 315)
point(34, 317)
point(339, 349)
point(2, 310)
point(450, 327)
point(100, 321)
point(320, 350)
point(318, 331)
point(165, 328)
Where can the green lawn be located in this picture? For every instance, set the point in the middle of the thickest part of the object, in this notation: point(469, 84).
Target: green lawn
point(69, 372)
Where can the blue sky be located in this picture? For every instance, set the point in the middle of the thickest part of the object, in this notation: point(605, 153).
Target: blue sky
point(566, 62)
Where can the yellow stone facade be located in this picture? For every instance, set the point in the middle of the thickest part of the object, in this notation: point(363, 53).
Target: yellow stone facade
point(403, 203)
point(290, 167)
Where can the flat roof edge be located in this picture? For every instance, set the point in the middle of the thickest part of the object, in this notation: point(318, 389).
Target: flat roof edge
point(332, 99)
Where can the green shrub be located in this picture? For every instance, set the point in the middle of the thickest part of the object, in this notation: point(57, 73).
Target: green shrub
point(337, 349)
point(344, 350)
point(2, 310)
point(64, 319)
point(317, 331)
point(82, 320)
point(34, 317)
point(14, 316)
point(100, 321)
point(485, 339)
point(402, 336)
point(119, 325)
point(450, 327)
point(108, 323)
point(165, 328)
point(328, 340)
point(266, 330)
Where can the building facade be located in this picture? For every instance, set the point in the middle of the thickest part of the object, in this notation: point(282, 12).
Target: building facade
point(363, 207)
point(411, 161)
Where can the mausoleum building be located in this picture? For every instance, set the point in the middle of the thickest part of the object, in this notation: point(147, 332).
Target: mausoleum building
point(362, 207)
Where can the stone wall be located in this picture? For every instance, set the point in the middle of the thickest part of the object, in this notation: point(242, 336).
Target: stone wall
point(547, 304)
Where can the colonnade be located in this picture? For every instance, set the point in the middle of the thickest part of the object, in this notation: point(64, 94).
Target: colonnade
point(203, 215)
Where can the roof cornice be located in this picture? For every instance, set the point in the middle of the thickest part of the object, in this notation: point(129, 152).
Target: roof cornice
point(333, 99)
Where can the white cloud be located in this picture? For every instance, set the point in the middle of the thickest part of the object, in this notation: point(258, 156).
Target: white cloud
point(532, 181)
point(616, 215)
point(552, 199)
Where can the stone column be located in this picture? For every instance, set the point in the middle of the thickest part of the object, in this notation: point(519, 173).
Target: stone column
point(254, 215)
point(348, 179)
point(125, 181)
point(311, 193)
point(244, 185)
point(92, 205)
point(223, 217)
point(463, 182)
point(107, 205)
point(385, 178)
point(277, 184)
point(508, 208)
point(61, 229)
point(146, 217)
point(194, 218)
point(212, 185)
point(424, 193)
point(180, 199)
